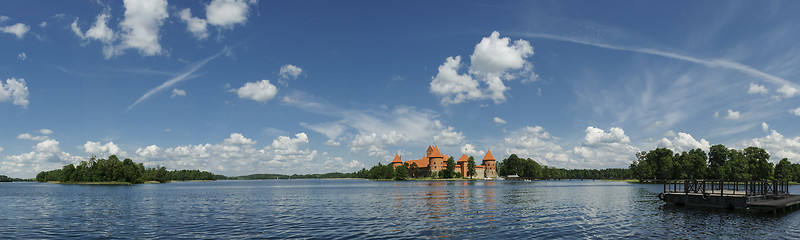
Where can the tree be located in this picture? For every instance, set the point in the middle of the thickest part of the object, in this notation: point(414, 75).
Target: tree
point(696, 164)
point(718, 156)
point(758, 163)
point(414, 169)
point(450, 170)
point(783, 171)
point(736, 166)
point(471, 167)
point(401, 172)
point(662, 162)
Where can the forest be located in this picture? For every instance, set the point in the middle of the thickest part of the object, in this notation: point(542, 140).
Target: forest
point(720, 162)
point(114, 170)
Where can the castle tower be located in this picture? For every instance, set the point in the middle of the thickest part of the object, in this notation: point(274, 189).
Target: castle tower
point(490, 165)
point(396, 162)
point(461, 165)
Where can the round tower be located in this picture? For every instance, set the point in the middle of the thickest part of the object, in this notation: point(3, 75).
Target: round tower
point(396, 162)
point(490, 166)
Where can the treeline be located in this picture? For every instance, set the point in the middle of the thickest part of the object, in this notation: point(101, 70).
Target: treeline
point(4, 178)
point(752, 163)
point(114, 170)
point(530, 169)
point(293, 176)
point(513, 165)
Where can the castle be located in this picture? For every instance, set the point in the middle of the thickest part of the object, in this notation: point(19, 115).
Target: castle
point(434, 161)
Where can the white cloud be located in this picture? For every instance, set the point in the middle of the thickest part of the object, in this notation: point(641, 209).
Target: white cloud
point(683, 142)
point(778, 146)
point(198, 27)
point(14, 90)
point(332, 142)
point(290, 71)
point(43, 24)
point(178, 92)
point(239, 139)
point(601, 149)
point(22, 56)
point(261, 91)
point(100, 32)
point(48, 145)
point(757, 89)
point(102, 150)
point(452, 87)
point(4, 18)
point(795, 111)
point(28, 136)
point(227, 13)
point(733, 115)
point(18, 29)
point(447, 136)
point(716, 114)
point(493, 61)
point(46, 155)
point(1, 149)
point(496, 55)
point(537, 144)
point(148, 152)
point(140, 28)
point(788, 91)
point(470, 151)
point(764, 126)
point(373, 144)
point(499, 120)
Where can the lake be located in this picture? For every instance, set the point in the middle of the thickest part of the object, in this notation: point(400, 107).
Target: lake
point(352, 208)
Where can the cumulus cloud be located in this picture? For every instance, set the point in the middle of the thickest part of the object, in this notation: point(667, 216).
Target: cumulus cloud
point(447, 136)
point(148, 152)
point(493, 61)
point(18, 30)
point(764, 126)
point(99, 31)
point(788, 91)
point(601, 149)
point(290, 71)
point(28, 136)
point(373, 143)
point(778, 146)
point(733, 115)
point(757, 89)
point(46, 155)
point(97, 148)
point(795, 111)
point(227, 13)
point(332, 142)
point(22, 56)
point(198, 27)
point(470, 151)
point(453, 87)
point(239, 139)
point(14, 90)
point(499, 120)
point(178, 92)
point(261, 91)
point(683, 142)
point(537, 144)
point(140, 28)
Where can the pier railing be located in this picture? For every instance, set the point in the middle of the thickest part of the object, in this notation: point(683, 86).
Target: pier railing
point(727, 188)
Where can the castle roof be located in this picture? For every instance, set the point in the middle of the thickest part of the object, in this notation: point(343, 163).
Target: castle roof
point(463, 158)
point(488, 156)
point(437, 153)
point(397, 159)
point(421, 163)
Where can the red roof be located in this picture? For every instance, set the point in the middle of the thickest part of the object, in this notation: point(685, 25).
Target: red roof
point(421, 163)
point(436, 153)
point(463, 158)
point(488, 156)
point(397, 159)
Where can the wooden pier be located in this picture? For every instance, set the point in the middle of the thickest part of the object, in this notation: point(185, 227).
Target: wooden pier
point(751, 196)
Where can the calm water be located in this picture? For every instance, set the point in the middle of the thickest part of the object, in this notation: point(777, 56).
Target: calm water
point(349, 209)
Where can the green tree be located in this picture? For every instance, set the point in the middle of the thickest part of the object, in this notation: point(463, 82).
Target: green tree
point(401, 172)
point(783, 171)
point(450, 170)
point(661, 158)
point(736, 166)
point(414, 169)
point(758, 163)
point(471, 167)
point(718, 156)
point(696, 164)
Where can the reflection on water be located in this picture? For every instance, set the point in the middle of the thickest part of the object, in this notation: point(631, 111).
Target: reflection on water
point(369, 209)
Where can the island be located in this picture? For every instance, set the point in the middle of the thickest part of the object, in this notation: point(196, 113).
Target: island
point(114, 171)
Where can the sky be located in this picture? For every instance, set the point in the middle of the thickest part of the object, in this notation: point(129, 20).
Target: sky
point(294, 87)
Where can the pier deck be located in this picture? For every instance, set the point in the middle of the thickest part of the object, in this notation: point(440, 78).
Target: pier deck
point(752, 196)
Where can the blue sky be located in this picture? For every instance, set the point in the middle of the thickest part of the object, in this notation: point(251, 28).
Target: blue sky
point(242, 87)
